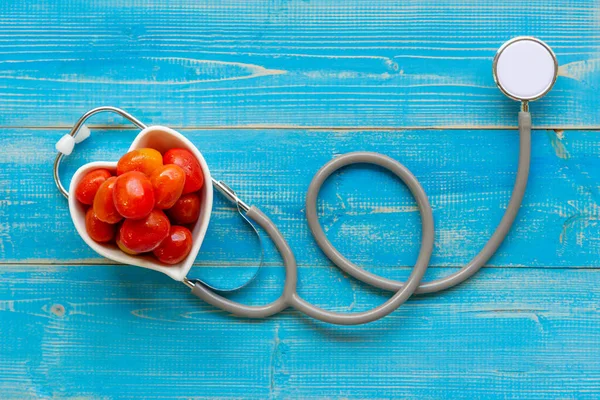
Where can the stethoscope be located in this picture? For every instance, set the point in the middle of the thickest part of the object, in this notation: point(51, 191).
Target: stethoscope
point(524, 69)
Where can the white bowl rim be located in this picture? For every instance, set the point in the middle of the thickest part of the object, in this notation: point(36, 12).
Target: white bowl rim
point(177, 271)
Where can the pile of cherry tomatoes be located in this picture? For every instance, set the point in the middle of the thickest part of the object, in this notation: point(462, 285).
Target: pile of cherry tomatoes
point(149, 206)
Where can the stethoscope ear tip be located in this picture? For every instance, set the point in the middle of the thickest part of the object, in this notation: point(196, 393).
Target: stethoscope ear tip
point(525, 68)
point(66, 144)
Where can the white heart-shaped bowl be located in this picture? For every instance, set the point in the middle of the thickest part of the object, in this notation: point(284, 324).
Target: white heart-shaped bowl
point(162, 139)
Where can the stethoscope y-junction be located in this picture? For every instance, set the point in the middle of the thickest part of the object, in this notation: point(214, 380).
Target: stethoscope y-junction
point(524, 69)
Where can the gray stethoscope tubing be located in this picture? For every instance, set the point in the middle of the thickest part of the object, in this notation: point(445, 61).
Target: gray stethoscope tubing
point(426, 287)
point(290, 297)
point(538, 68)
point(404, 290)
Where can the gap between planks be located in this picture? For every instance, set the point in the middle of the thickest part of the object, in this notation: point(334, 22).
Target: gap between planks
point(299, 127)
point(42, 263)
point(323, 128)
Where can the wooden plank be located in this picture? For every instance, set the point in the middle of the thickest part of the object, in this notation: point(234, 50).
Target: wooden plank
point(115, 332)
point(367, 213)
point(293, 63)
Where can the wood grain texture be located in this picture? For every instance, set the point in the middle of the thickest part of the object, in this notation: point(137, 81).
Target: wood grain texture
point(298, 63)
point(314, 79)
point(467, 176)
point(122, 332)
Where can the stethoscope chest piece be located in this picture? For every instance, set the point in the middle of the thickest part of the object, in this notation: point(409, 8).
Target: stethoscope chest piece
point(525, 68)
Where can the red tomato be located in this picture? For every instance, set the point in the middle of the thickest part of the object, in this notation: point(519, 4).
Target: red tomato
point(175, 247)
point(104, 206)
point(141, 160)
point(133, 195)
point(142, 235)
point(194, 178)
point(186, 210)
point(89, 184)
point(168, 182)
point(98, 230)
point(121, 246)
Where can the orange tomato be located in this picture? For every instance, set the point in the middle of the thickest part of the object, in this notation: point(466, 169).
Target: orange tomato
point(194, 178)
point(133, 195)
point(98, 230)
point(104, 206)
point(186, 210)
point(175, 247)
point(121, 246)
point(167, 182)
point(89, 184)
point(143, 235)
point(143, 160)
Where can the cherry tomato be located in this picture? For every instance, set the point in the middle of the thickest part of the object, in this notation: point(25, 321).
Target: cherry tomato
point(89, 184)
point(168, 182)
point(98, 230)
point(142, 160)
point(121, 246)
point(142, 235)
point(194, 178)
point(186, 210)
point(104, 205)
point(175, 247)
point(133, 195)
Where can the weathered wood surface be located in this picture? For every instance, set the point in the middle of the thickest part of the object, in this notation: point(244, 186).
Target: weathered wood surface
point(122, 332)
point(468, 176)
point(320, 63)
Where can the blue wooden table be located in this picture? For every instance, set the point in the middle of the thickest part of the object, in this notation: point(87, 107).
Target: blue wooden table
point(269, 91)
